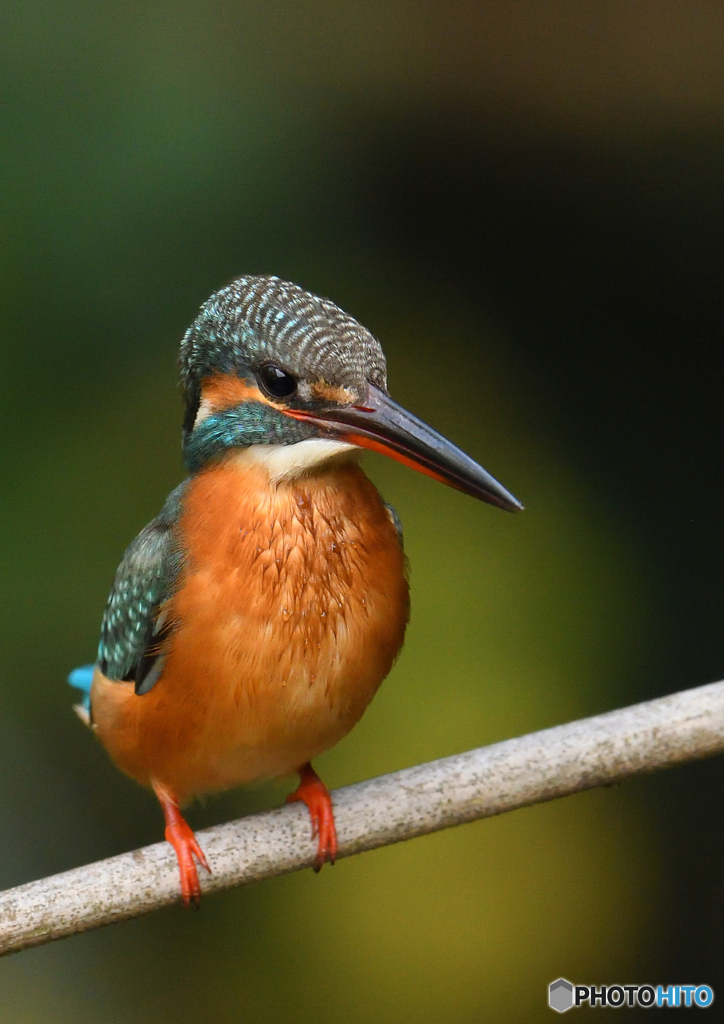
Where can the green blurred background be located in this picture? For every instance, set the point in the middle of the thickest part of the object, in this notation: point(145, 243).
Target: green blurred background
point(524, 202)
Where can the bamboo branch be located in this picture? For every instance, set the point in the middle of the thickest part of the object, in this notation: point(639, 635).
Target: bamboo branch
point(478, 784)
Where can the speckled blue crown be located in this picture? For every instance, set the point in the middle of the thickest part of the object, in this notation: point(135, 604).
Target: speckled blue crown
point(260, 319)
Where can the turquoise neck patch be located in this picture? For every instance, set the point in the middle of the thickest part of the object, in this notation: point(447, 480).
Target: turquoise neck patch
point(240, 427)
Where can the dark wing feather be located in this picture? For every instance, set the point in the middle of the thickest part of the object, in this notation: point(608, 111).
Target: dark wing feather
point(135, 629)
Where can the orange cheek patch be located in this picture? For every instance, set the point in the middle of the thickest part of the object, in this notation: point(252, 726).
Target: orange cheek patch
point(328, 393)
point(225, 391)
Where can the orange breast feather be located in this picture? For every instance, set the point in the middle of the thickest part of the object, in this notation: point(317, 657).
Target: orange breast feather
point(291, 609)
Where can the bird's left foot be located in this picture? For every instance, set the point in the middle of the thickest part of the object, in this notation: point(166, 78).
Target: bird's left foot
point(315, 795)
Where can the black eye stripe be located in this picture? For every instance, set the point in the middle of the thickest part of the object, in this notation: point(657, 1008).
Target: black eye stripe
point(275, 382)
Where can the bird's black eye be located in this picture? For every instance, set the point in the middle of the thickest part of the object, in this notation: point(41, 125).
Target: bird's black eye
point(276, 382)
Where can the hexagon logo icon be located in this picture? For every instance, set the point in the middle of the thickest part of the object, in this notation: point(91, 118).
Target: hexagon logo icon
point(560, 995)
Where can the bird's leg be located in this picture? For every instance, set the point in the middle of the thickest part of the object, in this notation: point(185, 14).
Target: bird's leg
point(181, 837)
point(315, 795)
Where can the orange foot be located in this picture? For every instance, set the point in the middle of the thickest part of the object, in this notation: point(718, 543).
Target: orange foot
point(179, 834)
point(315, 795)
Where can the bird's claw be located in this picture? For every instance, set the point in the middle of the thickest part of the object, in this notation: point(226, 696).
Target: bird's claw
point(312, 792)
point(180, 835)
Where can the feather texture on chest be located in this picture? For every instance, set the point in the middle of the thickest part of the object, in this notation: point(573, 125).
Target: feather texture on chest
point(303, 565)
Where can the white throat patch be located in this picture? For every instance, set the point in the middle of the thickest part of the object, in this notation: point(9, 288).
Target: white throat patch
point(204, 411)
point(285, 461)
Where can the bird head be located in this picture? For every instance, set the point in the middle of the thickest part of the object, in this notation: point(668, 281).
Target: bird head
point(294, 381)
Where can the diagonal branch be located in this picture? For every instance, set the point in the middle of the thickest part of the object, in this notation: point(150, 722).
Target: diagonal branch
point(481, 783)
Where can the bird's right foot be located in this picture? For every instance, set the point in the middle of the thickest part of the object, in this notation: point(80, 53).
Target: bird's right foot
point(180, 835)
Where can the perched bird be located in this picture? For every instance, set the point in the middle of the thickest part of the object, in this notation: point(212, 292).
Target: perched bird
point(251, 623)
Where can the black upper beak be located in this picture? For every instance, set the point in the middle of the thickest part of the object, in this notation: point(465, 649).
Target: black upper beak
point(386, 427)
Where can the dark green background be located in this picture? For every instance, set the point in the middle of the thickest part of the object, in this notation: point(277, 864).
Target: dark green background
point(524, 202)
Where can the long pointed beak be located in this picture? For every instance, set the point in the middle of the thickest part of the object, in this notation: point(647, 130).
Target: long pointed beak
point(384, 426)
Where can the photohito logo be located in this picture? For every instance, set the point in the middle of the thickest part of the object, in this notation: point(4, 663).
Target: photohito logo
point(564, 995)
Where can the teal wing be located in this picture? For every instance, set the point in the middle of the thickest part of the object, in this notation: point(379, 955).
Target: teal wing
point(396, 521)
point(135, 630)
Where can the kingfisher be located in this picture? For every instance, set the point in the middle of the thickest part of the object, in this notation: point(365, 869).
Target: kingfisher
point(252, 621)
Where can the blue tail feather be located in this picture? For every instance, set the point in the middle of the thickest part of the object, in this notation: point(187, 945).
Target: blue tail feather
point(81, 678)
